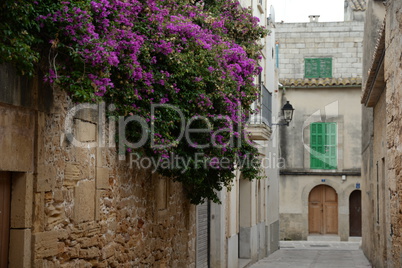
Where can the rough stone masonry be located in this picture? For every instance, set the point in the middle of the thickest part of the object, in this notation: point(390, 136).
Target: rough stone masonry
point(82, 207)
point(92, 210)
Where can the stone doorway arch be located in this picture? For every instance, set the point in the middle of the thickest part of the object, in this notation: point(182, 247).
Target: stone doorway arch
point(355, 213)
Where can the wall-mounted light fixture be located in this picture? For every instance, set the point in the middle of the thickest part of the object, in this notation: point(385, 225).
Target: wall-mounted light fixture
point(287, 112)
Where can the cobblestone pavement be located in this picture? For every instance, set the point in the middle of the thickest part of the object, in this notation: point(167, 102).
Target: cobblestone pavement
point(315, 254)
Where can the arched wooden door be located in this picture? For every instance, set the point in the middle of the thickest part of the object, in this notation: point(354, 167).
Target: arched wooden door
point(323, 210)
point(355, 213)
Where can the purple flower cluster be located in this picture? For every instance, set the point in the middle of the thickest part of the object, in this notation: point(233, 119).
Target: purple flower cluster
point(115, 34)
point(134, 53)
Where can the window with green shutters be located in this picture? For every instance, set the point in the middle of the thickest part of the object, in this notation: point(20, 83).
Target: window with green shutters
point(323, 145)
point(318, 67)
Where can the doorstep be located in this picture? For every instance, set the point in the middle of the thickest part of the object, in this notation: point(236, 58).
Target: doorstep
point(318, 237)
point(355, 239)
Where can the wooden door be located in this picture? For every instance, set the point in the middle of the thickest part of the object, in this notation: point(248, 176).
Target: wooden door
point(355, 214)
point(5, 189)
point(323, 210)
point(315, 211)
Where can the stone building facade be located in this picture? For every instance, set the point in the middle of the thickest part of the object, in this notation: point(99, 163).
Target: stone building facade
point(66, 200)
point(76, 206)
point(320, 65)
point(381, 144)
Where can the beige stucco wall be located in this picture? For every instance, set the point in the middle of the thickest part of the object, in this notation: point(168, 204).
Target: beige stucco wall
point(339, 105)
point(294, 194)
point(375, 201)
point(341, 41)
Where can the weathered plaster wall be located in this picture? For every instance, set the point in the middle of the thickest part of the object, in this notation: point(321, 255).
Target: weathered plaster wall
point(376, 201)
point(341, 41)
point(294, 194)
point(367, 179)
point(271, 152)
point(339, 105)
point(17, 131)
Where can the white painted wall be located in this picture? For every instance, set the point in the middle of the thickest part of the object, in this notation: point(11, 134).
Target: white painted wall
point(247, 213)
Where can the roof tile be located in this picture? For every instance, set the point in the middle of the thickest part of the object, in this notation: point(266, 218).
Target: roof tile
point(357, 5)
point(321, 82)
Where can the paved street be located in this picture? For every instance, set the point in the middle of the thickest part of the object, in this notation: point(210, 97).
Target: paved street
point(315, 254)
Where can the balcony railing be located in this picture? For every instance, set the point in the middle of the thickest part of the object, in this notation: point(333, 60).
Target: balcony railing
point(264, 106)
point(266, 101)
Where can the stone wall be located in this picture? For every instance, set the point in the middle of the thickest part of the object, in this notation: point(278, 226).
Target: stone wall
point(342, 41)
point(82, 207)
point(393, 79)
point(382, 223)
point(92, 210)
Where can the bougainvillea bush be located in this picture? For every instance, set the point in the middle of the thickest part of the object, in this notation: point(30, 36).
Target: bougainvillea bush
point(199, 57)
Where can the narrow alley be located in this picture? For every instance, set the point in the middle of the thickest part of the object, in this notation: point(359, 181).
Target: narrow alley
point(201, 133)
point(315, 254)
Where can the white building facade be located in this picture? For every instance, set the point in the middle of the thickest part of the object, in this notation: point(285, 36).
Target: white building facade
point(245, 227)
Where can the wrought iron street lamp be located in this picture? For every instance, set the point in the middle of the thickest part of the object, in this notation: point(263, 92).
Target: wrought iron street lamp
point(287, 113)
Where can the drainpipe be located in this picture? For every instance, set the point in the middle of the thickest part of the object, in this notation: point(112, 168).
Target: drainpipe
point(277, 53)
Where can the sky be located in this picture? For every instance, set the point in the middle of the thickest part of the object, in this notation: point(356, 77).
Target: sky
point(299, 10)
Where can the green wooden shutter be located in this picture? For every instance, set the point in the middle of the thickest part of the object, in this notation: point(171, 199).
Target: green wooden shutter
point(317, 145)
point(325, 65)
point(311, 69)
point(317, 67)
point(323, 145)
